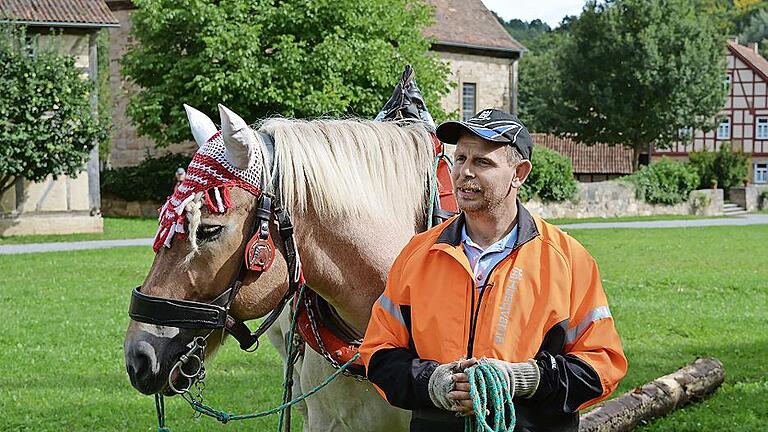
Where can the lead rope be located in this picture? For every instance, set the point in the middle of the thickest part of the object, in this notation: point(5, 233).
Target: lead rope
point(491, 397)
point(224, 416)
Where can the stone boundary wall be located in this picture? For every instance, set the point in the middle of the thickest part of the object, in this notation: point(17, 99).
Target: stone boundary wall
point(748, 197)
point(615, 199)
point(114, 206)
point(602, 199)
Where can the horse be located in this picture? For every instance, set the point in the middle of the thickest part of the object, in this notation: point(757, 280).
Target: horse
point(357, 191)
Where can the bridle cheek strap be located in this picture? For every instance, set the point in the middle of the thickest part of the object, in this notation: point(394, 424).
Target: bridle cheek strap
point(260, 250)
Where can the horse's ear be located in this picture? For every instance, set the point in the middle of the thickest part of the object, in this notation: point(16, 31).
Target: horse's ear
point(202, 126)
point(239, 139)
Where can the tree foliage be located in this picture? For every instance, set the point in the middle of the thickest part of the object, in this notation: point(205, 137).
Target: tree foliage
point(301, 58)
point(630, 72)
point(523, 31)
point(634, 72)
point(46, 122)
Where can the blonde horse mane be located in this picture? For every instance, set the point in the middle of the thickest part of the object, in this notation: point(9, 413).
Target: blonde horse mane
point(353, 167)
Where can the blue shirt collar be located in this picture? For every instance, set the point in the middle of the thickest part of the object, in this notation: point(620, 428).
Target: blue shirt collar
point(506, 242)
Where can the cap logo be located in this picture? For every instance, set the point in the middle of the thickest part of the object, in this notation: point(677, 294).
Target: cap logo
point(485, 115)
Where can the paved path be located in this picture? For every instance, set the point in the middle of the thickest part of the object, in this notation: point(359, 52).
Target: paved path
point(753, 219)
point(69, 246)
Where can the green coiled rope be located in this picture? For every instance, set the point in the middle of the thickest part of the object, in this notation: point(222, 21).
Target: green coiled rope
point(491, 398)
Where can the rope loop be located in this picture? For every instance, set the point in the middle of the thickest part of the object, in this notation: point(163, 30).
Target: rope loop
point(491, 399)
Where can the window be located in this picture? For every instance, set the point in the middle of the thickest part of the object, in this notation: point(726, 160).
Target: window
point(468, 100)
point(761, 128)
point(724, 129)
point(685, 133)
point(761, 173)
point(30, 45)
point(727, 81)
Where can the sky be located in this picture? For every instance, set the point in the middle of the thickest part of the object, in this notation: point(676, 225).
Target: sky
point(549, 11)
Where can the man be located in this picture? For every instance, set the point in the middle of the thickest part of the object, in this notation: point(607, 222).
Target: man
point(180, 176)
point(493, 284)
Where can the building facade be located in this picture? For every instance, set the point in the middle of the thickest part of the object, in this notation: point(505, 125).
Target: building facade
point(67, 204)
point(743, 121)
point(481, 54)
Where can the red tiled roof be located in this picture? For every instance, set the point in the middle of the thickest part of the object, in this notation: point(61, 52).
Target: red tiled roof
point(750, 57)
point(469, 23)
point(54, 13)
point(594, 159)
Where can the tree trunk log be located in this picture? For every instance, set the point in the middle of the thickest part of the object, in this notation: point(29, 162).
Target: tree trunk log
point(657, 398)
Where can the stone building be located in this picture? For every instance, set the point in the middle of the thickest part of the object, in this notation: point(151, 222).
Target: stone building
point(481, 54)
point(67, 204)
point(743, 121)
point(483, 57)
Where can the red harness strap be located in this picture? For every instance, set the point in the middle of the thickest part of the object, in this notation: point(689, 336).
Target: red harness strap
point(444, 181)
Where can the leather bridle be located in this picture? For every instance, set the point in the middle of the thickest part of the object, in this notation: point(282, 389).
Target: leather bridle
point(258, 257)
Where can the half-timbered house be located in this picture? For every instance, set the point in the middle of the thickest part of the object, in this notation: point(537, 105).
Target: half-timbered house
point(743, 121)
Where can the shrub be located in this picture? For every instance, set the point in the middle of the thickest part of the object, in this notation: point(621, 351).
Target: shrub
point(665, 182)
point(726, 167)
point(551, 178)
point(151, 180)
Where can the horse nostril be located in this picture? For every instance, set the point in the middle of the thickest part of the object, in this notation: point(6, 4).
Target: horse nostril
point(142, 367)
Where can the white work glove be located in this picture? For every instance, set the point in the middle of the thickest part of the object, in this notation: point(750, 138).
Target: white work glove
point(522, 378)
point(442, 385)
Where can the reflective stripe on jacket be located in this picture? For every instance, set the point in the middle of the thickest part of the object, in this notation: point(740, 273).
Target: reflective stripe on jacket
point(544, 301)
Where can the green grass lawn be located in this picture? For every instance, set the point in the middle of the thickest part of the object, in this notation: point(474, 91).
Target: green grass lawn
point(675, 293)
point(114, 228)
point(563, 221)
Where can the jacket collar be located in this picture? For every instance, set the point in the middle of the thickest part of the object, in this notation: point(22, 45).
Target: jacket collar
point(526, 229)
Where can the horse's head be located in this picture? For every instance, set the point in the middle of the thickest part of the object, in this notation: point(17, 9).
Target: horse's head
point(212, 216)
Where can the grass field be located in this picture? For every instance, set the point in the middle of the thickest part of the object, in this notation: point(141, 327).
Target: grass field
point(114, 228)
point(563, 221)
point(675, 293)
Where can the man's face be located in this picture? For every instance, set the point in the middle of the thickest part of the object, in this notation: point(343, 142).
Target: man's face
point(483, 179)
point(180, 177)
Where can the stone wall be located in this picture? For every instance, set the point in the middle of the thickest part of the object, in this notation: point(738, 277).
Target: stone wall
point(128, 148)
point(747, 197)
point(492, 76)
point(616, 199)
point(114, 206)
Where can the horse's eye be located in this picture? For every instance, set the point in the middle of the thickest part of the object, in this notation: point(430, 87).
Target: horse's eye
point(209, 232)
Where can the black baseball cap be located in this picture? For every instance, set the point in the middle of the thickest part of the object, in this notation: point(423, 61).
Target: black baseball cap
point(492, 125)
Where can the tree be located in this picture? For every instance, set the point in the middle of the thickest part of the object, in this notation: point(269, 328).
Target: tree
point(540, 82)
point(46, 122)
point(634, 72)
point(301, 58)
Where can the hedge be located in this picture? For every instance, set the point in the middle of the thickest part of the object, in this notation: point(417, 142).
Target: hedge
point(665, 182)
point(151, 180)
point(551, 178)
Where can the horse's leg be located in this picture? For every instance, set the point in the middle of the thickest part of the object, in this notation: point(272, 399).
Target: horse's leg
point(346, 405)
point(277, 334)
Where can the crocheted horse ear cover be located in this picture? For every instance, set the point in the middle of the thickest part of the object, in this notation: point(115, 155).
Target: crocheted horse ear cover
point(212, 174)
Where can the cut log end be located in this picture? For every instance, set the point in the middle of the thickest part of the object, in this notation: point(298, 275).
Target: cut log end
point(659, 397)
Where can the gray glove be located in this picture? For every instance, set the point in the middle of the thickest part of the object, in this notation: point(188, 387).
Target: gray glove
point(441, 383)
point(522, 378)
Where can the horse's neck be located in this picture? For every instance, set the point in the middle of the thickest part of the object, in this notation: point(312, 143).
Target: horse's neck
point(347, 261)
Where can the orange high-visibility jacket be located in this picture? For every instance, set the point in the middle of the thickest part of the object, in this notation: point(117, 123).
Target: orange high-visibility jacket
point(543, 301)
